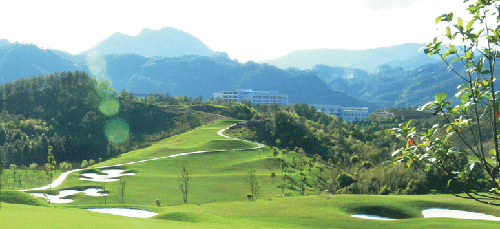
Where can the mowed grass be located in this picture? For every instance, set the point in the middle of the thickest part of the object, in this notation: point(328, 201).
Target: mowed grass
point(217, 196)
point(203, 138)
point(295, 212)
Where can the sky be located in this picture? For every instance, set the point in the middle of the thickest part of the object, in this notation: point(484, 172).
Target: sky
point(246, 30)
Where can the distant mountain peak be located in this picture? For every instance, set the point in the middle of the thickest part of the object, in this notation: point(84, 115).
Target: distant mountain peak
point(167, 42)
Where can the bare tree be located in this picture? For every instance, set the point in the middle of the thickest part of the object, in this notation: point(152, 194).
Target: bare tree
point(253, 185)
point(122, 185)
point(184, 181)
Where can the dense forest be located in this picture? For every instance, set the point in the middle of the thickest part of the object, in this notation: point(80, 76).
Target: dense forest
point(360, 154)
point(68, 112)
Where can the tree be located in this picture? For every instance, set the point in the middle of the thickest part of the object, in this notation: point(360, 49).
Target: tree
point(184, 181)
point(252, 183)
point(51, 165)
point(474, 47)
point(122, 185)
point(13, 167)
point(275, 152)
point(85, 164)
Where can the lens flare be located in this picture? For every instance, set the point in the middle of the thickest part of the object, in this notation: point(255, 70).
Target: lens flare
point(117, 131)
point(109, 107)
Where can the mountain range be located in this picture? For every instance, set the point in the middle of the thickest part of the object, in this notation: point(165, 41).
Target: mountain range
point(172, 61)
point(407, 56)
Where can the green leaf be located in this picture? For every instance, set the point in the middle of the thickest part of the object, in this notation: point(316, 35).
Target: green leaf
point(438, 19)
point(440, 97)
point(493, 152)
point(466, 97)
point(469, 25)
point(409, 162)
point(460, 23)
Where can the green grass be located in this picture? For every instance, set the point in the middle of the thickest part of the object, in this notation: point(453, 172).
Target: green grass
point(217, 197)
point(296, 212)
point(29, 179)
point(17, 197)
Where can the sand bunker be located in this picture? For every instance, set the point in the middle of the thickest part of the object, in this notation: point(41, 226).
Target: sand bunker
point(449, 213)
point(58, 199)
point(364, 216)
point(439, 212)
point(125, 212)
point(111, 176)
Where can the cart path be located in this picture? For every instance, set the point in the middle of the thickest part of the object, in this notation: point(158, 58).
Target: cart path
point(64, 175)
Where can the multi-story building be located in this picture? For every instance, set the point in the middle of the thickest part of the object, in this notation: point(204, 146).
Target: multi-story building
point(261, 97)
point(349, 114)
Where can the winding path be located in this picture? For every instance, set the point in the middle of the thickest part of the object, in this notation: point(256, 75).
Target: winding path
point(64, 175)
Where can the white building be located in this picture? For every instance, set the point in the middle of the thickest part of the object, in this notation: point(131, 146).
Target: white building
point(261, 97)
point(349, 114)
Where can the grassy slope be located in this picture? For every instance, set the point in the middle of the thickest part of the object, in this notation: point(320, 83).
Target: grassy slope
point(297, 212)
point(218, 186)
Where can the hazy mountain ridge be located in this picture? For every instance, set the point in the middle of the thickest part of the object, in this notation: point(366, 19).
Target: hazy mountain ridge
point(24, 60)
point(190, 75)
point(167, 42)
point(393, 87)
point(407, 54)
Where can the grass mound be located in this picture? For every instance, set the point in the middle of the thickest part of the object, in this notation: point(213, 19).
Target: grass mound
point(96, 171)
point(228, 144)
point(179, 216)
point(17, 197)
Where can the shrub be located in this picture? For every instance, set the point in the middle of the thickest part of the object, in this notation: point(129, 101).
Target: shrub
point(85, 164)
point(385, 190)
point(344, 180)
point(415, 187)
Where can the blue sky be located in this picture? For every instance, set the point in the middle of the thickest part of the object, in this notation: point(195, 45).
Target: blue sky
point(246, 30)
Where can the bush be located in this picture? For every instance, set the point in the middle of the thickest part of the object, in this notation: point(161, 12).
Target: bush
point(415, 188)
point(344, 180)
point(385, 190)
point(85, 164)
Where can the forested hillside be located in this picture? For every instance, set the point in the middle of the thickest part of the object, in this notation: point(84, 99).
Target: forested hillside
point(68, 112)
point(393, 87)
point(197, 75)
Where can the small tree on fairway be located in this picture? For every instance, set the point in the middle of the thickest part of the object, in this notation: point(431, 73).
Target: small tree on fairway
point(252, 183)
point(122, 185)
point(275, 152)
point(13, 167)
point(184, 181)
point(475, 46)
point(51, 162)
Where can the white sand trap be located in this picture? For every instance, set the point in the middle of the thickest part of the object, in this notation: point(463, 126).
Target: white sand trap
point(377, 217)
point(58, 199)
point(448, 213)
point(63, 176)
point(111, 176)
point(125, 212)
